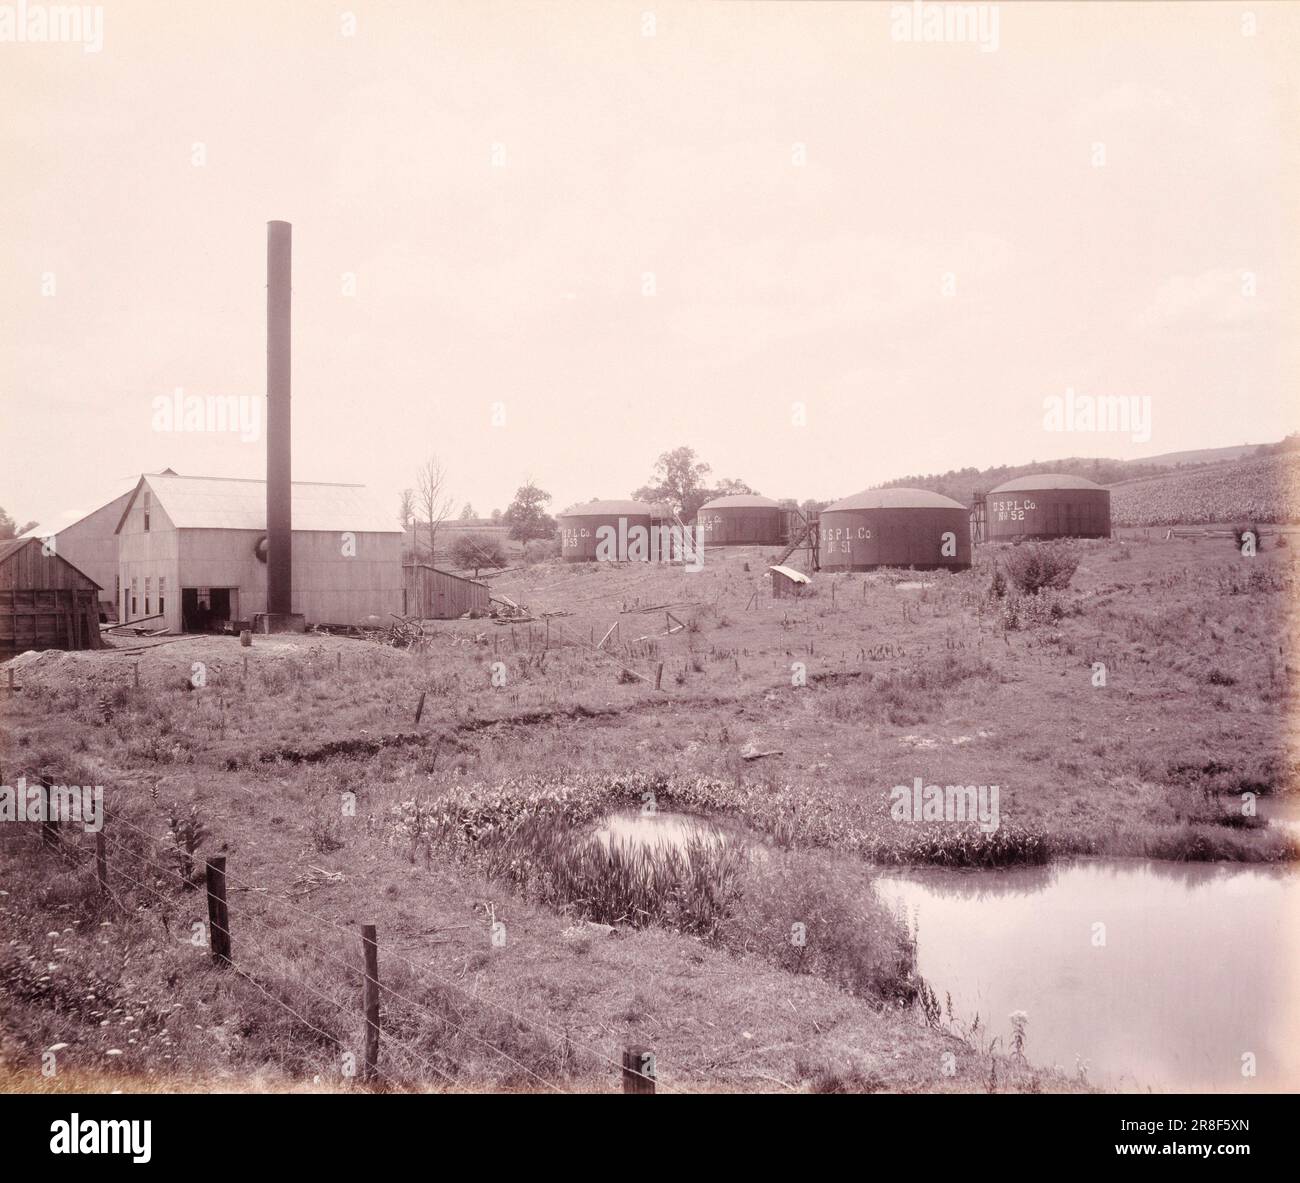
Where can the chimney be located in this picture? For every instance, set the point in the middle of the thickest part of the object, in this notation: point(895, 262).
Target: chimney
point(279, 479)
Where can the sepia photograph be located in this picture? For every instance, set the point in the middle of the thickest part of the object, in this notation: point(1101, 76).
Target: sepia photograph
point(604, 547)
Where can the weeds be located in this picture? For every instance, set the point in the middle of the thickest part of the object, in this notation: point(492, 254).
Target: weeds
point(1037, 566)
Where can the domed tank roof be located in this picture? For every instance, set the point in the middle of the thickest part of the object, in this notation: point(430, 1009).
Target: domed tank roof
point(741, 501)
point(609, 509)
point(895, 499)
point(1045, 480)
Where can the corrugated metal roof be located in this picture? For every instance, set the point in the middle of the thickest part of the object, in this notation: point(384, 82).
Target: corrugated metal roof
point(231, 503)
point(609, 509)
point(741, 501)
point(895, 499)
point(791, 573)
point(1046, 480)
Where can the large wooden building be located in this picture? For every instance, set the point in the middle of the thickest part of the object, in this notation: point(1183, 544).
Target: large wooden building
point(45, 602)
point(192, 553)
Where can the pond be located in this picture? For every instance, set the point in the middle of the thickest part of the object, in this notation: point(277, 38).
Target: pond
point(663, 828)
point(1196, 967)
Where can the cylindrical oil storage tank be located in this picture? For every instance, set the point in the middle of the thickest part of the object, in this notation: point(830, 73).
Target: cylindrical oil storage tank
point(741, 520)
point(581, 534)
point(894, 528)
point(1047, 505)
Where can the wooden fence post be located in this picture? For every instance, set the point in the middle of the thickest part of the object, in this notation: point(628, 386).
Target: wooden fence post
point(419, 707)
point(137, 675)
point(218, 913)
point(659, 674)
point(11, 679)
point(638, 1070)
point(50, 823)
point(370, 1001)
point(101, 862)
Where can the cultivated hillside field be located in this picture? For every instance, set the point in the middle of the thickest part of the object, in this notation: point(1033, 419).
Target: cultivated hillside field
point(1126, 714)
point(1261, 489)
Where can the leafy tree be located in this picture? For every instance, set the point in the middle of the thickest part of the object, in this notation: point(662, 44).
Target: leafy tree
point(467, 513)
point(678, 482)
point(10, 529)
point(732, 488)
point(477, 551)
point(527, 517)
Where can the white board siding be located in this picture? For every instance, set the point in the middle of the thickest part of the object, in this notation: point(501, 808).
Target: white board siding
point(329, 587)
point(149, 555)
point(91, 544)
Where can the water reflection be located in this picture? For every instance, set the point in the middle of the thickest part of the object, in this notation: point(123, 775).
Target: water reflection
point(1160, 975)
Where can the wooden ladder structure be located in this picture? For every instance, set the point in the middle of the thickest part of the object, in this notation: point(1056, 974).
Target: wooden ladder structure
point(978, 519)
point(803, 533)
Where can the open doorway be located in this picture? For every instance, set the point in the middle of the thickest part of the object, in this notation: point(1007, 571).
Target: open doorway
point(208, 609)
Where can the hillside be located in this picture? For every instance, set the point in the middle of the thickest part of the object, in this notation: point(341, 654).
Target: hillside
point(962, 484)
point(1259, 482)
point(1260, 489)
point(1201, 456)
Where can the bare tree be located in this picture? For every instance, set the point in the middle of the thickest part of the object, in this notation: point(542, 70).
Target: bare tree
point(408, 508)
point(432, 498)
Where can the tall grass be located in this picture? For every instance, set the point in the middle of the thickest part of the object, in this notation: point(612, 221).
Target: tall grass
point(711, 885)
point(691, 887)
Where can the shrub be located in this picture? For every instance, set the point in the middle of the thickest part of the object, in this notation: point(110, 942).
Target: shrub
point(477, 551)
point(537, 550)
point(1033, 566)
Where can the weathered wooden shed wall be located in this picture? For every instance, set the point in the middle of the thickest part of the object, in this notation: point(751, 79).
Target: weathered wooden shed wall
point(432, 594)
point(45, 602)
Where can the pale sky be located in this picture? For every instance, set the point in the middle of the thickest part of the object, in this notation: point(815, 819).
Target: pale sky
point(500, 178)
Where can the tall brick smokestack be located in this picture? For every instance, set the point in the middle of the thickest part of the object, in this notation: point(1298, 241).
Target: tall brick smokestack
point(279, 477)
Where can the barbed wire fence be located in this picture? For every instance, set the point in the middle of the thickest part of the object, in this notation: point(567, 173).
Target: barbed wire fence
point(406, 1066)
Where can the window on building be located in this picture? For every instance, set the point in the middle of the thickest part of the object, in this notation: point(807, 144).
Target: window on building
point(148, 587)
point(162, 594)
point(135, 591)
point(148, 505)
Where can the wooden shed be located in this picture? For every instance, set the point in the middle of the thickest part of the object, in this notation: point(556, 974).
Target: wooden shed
point(432, 594)
point(787, 582)
point(45, 602)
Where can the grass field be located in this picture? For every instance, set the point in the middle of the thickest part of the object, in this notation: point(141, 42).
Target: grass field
point(336, 808)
